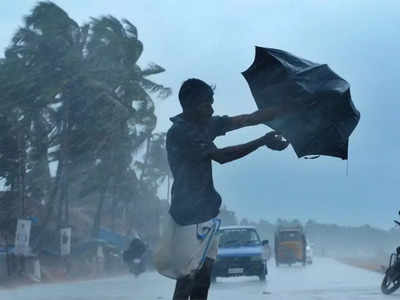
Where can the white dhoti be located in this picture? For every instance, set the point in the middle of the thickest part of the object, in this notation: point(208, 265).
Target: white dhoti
point(183, 249)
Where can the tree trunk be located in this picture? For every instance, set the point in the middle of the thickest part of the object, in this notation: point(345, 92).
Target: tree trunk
point(61, 203)
point(130, 217)
point(50, 207)
point(66, 200)
point(97, 218)
point(113, 207)
point(40, 177)
point(146, 159)
point(21, 175)
point(67, 158)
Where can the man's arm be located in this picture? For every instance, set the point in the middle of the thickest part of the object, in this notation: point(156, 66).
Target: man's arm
point(257, 117)
point(228, 154)
point(271, 140)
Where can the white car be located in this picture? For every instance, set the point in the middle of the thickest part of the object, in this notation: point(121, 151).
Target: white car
point(241, 252)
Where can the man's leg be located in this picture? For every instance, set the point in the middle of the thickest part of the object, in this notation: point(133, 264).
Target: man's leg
point(183, 288)
point(202, 281)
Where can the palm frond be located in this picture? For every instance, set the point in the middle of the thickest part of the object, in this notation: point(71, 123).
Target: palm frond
point(109, 95)
point(161, 91)
point(152, 69)
point(48, 18)
point(130, 29)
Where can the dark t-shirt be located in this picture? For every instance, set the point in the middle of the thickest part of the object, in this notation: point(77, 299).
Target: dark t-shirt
point(193, 196)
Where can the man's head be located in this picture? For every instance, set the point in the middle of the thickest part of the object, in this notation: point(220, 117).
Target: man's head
point(196, 98)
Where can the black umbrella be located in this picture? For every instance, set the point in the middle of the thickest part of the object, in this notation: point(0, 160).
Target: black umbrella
point(326, 115)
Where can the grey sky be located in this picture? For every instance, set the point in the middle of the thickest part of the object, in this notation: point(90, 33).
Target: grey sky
point(214, 40)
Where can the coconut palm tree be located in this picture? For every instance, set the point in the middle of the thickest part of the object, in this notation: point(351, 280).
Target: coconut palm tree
point(114, 48)
point(78, 98)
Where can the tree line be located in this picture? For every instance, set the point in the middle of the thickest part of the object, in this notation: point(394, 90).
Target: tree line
point(75, 107)
point(327, 239)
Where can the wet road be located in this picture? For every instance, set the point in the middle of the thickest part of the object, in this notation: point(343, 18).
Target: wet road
point(326, 279)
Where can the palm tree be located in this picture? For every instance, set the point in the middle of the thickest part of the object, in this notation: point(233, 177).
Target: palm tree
point(45, 56)
point(154, 171)
point(78, 98)
point(114, 48)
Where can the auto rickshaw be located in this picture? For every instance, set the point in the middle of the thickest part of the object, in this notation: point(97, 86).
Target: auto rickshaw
point(290, 245)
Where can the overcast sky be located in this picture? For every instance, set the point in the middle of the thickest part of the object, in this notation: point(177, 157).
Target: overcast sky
point(214, 40)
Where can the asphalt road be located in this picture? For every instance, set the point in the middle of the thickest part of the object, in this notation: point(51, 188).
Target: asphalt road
point(326, 279)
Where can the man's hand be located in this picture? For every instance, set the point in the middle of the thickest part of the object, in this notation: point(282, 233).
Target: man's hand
point(275, 141)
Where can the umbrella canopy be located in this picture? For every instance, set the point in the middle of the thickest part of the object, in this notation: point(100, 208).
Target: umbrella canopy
point(325, 115)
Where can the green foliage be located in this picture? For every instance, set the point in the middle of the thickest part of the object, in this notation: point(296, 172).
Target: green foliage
point(76, 96)
point(155, 168)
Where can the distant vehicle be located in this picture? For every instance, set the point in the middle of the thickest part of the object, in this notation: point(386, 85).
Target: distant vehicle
point(309, 254)
point(290, 245)
point(240, 253)
point(391, 280)
point(135, 256)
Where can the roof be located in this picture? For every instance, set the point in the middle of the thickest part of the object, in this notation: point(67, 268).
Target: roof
point(290, 228)
point(90, 244)
point(237, 227)
point(113, 238)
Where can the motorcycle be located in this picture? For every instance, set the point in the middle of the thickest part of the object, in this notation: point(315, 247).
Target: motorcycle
point(391, 281)
point(135, 257)
point(137, 266)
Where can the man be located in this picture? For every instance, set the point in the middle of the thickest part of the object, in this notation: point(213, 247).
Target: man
point(190, 149)
point(267, 250)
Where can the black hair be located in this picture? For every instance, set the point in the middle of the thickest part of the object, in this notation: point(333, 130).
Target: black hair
point(193, 92)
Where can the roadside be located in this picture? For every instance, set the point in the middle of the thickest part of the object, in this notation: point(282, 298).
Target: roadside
point(371, 264)
point(16, 282)
point(56, 271)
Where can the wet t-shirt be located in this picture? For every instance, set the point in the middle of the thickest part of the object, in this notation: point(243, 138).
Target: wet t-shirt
point(193, 196)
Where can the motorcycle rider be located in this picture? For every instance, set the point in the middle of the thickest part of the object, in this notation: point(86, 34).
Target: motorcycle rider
point(134, 256)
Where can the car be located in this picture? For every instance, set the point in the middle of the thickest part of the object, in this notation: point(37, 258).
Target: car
point(240, 253)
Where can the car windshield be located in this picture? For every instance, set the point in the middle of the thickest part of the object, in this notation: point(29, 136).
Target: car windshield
point(286, 236)
point(238, 237)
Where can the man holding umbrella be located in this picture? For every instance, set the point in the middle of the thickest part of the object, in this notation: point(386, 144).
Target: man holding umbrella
point(191, 150)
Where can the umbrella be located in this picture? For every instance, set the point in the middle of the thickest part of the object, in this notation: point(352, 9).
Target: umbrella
point(325, 115)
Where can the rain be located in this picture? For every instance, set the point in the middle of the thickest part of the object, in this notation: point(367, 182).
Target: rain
point(199, 150)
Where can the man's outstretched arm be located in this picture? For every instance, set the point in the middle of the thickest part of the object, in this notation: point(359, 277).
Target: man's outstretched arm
point(257, 117)
point(271, 140)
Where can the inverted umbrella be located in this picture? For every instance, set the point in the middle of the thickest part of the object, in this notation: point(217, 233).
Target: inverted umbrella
point(325, 115)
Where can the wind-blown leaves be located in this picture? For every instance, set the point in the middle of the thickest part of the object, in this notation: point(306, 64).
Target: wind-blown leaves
point(80, 99)
point(152, 69)
point(153, 87)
